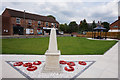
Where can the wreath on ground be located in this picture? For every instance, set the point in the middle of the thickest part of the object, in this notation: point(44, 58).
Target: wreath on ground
point(37, 62)
point(29, 65)
point(82, 63)
point(63, 62)
point(18, 64)
point(70, 65)
point(71, 68)
point(32, 68)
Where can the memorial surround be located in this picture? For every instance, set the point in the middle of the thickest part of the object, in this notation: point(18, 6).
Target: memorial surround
point(52, 67)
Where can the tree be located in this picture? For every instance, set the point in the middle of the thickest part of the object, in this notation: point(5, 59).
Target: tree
point(80, 26)
point(73, 27)
point(83, 25)
point(51, 16)
point(64, 27)
point(93, 25)
point(106, 25)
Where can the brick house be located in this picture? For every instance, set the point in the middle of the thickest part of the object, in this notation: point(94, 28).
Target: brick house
point(23, 23)
point(115, 26)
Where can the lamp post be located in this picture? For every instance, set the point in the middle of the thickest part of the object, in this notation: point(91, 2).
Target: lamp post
point(24, 24)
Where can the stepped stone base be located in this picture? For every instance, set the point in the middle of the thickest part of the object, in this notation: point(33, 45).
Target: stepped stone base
point(52, 62)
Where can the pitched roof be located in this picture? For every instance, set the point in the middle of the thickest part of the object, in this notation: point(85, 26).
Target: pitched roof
point(114, 22)
point(99, 28)
point(20, 14)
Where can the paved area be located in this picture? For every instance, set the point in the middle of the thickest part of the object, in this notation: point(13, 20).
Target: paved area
point(106, 66)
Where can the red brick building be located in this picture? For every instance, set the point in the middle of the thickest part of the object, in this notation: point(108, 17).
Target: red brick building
point(115, 26)
point(23, 23)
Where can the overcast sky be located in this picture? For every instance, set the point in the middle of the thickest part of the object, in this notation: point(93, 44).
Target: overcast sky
point(67, 11)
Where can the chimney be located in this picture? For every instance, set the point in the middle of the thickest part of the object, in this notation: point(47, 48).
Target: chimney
point(98, 22)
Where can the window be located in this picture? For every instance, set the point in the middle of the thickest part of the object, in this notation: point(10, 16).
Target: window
point(18, 20)
point(55, 24)
point(29, 31)
point(39, 23)
point(46, 23)
point(5, 30)
point(30, 22)
point(52, 24)
point(115, 26)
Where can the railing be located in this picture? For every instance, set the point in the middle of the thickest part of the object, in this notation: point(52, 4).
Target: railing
point(108, 34)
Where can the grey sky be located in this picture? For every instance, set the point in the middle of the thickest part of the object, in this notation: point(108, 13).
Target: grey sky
point(69, 11)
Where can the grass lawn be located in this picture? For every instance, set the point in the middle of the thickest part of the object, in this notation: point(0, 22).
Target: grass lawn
point(67, 46)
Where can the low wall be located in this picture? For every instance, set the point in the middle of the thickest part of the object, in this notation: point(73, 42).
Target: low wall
point(30, 36)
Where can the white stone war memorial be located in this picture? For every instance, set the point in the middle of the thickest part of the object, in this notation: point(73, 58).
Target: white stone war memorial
point(52, 54)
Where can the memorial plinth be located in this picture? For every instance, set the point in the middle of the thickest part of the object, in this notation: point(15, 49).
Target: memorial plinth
point(52, 54)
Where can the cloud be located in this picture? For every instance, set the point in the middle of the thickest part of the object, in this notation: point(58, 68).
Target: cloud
point(57, 0)
point(67, 11)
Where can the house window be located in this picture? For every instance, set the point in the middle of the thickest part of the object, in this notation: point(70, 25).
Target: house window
point(39, 23)
point(55, 24)
point(29, 31)
point(18, 20)
point(52, 24)
point(5, 30)
point(30, 22)
point(115, 26)
point(46, 23)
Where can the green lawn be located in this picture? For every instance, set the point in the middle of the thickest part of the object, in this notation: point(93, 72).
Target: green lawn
point(67, 46)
